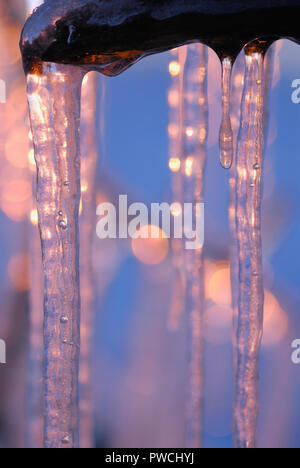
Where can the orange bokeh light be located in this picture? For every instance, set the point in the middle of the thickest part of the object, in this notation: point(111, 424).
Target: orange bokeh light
point(275, 321)
point(218, 287)
point(15, 198)
point(148, 250)
point(16, 147)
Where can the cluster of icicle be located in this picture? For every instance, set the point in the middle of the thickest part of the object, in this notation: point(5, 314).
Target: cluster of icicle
point(188, 132)
point(54, 100)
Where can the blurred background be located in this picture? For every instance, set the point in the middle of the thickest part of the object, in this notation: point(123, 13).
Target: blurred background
point(139, 369)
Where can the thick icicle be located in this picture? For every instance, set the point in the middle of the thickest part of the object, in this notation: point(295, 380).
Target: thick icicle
point(54, 102)
point(226, 134)
point(248, 224)
point(87, 222)
point(195, 129)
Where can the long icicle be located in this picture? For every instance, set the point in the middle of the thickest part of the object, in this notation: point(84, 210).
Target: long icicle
point(195, 130)
point(238, 83)
point(89, 150)
point(54, 103)
point(226, 133)
point(248, 225)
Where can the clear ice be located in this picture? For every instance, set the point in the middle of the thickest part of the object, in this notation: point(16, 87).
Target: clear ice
point(226, 133)
point(248, 233)
point(54, 104)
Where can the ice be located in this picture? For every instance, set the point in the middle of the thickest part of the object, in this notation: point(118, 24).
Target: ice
point(226, 133)
point(54, 103)
point(248, 231)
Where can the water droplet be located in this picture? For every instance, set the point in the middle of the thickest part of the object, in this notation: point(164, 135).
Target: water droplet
point(60, 213)
point(256, 167)
point(64, 319)
point(226, 133)
point(66, 439)
point(66, 183)
point(63, 224)
point(64, 341)
point(258, 82)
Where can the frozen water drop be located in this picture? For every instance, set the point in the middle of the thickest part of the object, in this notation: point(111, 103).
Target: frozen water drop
point(64, 319)
point(226, 133)
point(63, 224)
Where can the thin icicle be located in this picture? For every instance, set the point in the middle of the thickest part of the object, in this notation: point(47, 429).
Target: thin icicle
point(226, 134)
point(238, 82)
point(89, 150)
point(195, 129)
point(248, 223)
point(54, 102)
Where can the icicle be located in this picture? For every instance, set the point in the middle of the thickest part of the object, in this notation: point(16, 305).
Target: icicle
point(238, 82)
point(248, 223)
point(54, 102)
point(87, 223)
point(226, 134)
point(195, 129)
